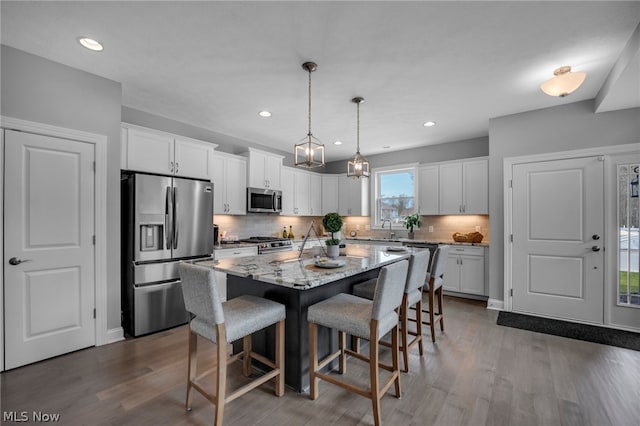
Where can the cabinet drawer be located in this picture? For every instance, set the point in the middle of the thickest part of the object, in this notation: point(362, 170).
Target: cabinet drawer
point(235, 252)
point(466, 250)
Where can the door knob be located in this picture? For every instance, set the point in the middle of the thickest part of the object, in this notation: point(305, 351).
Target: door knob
point(595, 236)
point(15, 261)
point(595, 248)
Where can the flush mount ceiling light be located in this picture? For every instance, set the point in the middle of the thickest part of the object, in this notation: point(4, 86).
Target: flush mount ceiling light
point(359, 166)
point(309, 152)
point(564, 82)
point(264, 114)
point(91, 44)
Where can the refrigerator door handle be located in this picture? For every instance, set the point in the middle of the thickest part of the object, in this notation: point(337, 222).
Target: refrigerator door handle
point(168, 225)
point(175, 218)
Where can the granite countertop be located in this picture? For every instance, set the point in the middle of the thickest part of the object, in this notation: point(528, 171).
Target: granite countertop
point(406, 241)
point(284, 268)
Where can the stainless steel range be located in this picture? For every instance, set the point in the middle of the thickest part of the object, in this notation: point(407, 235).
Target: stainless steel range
point(270, 244)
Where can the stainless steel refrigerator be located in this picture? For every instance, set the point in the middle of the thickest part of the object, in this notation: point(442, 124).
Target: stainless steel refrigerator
point(164, 220)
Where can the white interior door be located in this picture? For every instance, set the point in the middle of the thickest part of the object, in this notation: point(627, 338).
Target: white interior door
point(557, 225)
point(49, 281)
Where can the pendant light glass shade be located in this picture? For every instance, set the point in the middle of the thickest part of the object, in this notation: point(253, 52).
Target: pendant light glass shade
point(564, 82)
point(309, 152)
point(359, 166)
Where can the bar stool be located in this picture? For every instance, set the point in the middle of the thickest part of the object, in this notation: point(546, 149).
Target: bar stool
point(223, 323)
point(418, 264)
point(435, 279)
point(367, 319)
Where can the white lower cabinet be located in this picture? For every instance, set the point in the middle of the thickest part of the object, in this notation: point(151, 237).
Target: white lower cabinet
point(227, 253)
point(465, 270)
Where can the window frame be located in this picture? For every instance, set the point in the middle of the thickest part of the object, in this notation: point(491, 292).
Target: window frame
point(376, 173)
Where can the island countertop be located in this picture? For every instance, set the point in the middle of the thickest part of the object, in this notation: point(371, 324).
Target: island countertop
point(286, 270)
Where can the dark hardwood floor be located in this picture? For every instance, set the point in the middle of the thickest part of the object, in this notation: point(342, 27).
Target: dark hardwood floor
point(477, 373)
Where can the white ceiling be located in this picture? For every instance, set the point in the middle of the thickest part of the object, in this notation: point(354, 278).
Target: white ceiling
point(217, 64)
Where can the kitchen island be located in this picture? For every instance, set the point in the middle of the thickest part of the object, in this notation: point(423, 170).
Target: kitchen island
point(298, 284)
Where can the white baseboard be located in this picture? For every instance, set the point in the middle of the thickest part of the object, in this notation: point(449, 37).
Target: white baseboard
point(495, 304)
point(115, 335)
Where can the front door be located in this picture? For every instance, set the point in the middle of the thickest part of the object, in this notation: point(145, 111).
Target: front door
point(48, 247)
point(557, 225)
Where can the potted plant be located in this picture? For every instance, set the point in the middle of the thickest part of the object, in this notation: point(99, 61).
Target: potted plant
point(332, 222)
point(411, 221)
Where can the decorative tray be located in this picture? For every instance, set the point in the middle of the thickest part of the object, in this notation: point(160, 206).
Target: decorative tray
point(329, 263)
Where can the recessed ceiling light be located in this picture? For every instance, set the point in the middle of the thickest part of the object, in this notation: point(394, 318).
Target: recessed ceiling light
point(429, 123)
point(264, 114)
point(337, 143)
point(91, 44)
point(386, 147)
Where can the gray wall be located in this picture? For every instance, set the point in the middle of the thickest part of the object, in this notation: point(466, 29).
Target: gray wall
point(226, 143)
point(562, 128)
point(468, 148)
point(39, 90)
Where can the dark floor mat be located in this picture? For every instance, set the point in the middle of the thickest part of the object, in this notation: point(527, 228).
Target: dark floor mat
point(589, 333)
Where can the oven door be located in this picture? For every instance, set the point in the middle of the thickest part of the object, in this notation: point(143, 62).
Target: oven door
point(260, 200)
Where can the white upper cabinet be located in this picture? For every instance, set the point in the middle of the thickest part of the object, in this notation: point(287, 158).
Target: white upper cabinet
point(264, 169)
point(475, 188)
point(301, 192)
point(229, 184)
point(428, 190)
point(464, 187)
point(353, 196)
point(193, 158)
point(288, 191)
point(152, 151)
point(315, 194)
point(330, 185)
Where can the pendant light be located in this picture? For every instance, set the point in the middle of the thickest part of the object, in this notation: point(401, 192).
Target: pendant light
point(359, 166)
point(564, 82)
point(309, 152)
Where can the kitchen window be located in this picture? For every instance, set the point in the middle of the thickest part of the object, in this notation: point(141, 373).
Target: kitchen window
point(396, 194)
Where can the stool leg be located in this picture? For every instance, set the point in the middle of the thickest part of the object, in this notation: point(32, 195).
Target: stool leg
point(193, 363)
point(221, 376)
point(404, 312)
point(373, 370)
point(440, 310)
point(431, 313)
point(355, 343)
point(313, 360)
point(419, 325)
point(246, 355)
point(342, 342)
point(396, 360)
point(280, 358)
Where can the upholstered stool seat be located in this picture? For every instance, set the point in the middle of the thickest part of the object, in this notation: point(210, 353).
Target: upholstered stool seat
point(418, 264)
point(369, 319)
point(223, 323)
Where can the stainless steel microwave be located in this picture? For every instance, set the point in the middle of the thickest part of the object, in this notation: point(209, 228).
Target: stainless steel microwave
point(261, 200)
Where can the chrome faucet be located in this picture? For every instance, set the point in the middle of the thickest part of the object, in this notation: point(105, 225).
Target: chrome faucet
point(383, 222)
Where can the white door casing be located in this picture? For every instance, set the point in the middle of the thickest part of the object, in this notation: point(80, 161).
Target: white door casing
point(49, 226)
point(557, 208)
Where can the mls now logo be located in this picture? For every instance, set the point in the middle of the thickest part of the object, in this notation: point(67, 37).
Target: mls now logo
point(23, 416)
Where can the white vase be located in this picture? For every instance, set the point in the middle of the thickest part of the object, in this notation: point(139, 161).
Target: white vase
point(333, 251)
